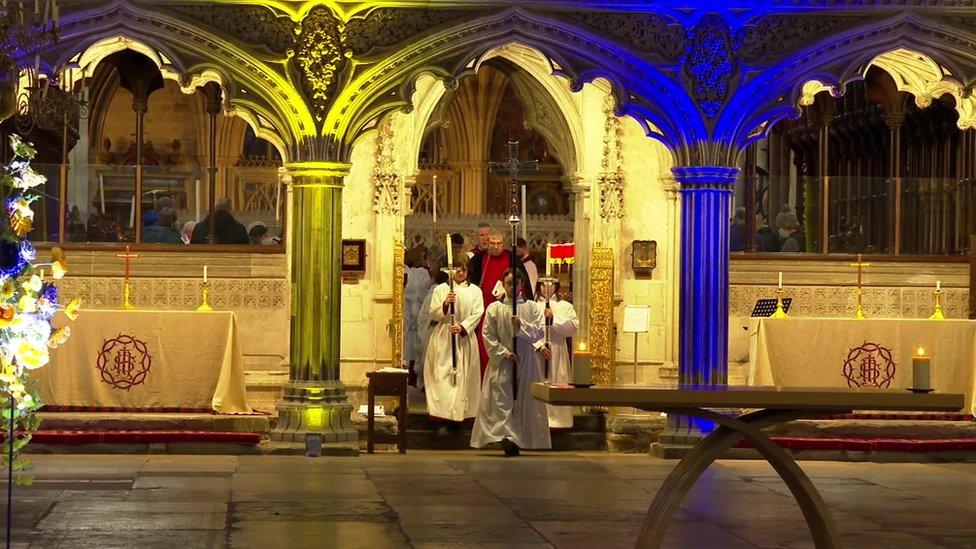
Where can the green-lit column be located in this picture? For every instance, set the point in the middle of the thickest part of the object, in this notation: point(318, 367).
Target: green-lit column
point(314, 399)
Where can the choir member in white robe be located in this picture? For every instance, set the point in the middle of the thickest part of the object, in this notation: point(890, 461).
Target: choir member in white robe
point(522, 422)
point(450, 397)
point(425, 326)
point(564, 326)
point(418, 282)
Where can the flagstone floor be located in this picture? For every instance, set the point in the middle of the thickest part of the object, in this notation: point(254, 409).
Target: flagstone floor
point(467, 499)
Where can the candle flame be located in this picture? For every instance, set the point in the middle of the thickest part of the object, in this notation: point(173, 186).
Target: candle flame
point(582, 346)
point(920, 351)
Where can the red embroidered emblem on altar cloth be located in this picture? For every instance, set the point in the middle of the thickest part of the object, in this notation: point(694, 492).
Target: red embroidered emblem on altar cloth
point(869, 365)
point(124, 362)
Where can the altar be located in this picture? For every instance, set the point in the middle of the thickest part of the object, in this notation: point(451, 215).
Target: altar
point(148, 360)
point(844, 352)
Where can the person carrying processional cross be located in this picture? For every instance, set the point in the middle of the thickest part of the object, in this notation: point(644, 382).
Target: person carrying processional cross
point(452, 373)
point(563, 323)
point(516, 420)
point(485, 270)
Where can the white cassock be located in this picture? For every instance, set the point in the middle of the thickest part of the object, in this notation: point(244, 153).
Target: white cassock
point(418, 282)
point(445, 399)
point(524, 421)
point(424, 329)
point(564, 325)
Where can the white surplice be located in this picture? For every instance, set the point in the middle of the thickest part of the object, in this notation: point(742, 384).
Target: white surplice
point(445, 398)
point(418, 282)
point(564, 326)
point(500, 417)
point(424, 329)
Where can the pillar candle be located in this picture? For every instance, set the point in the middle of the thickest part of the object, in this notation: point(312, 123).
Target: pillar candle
point(921, 370)
point(132, 212)
point(781, 280)
point(196, 201)
point(938, 285)
point(581, 365)
point(204, 274)
point(548, 260)
point(434, 198)
point(450, 250)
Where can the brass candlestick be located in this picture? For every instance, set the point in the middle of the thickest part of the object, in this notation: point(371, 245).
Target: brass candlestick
point(859, 311)
point(937, 314)
point(780, 311)
point(126, 296)
point(205, 298)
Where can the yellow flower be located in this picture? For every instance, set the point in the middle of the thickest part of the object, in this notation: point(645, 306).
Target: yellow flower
point(72, 308)
point(59, 336)
point(59, 263)
point(29, 356)
point(6, 316)
point(33, 284)
point(27, 304)
point(21, 217)
point(8, 289)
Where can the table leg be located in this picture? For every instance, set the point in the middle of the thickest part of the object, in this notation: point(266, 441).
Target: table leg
point(730, 430)
point(370, 418)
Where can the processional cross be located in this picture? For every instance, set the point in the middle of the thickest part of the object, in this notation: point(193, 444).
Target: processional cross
point(126, 290)
point(860, 265)
point(512, 168)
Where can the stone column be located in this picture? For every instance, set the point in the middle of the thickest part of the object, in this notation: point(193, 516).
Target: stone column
point(315, 400)
point(703, 300)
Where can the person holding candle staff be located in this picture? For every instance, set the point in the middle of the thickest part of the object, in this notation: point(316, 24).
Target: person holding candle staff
point(452, 377)
point(563, 323)
point(522, 422)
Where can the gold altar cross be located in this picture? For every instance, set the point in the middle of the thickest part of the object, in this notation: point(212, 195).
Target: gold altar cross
point(859, 311)
point(127, 256)
point(860, 265)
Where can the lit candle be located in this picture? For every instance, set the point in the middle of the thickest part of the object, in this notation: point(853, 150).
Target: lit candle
point(434, 197)
point(921, 370)
point(204, 274)
point(548, 260)
point(525, 216)
point(781, 280)
point(938, 285)
point(581, 365)
point(132, 212)
point(278, 199)
point(450, 250)
point(196, 201)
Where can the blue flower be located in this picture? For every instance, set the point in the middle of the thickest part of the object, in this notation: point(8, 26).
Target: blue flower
point(49, 292)
point(11, 261)
point(27, 251)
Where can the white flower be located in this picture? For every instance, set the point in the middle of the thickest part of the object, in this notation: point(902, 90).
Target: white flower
point(29, 179)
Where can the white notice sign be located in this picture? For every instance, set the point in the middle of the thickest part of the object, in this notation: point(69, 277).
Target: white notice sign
point(637, 319)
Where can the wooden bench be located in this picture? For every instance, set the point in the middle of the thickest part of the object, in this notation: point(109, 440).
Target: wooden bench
point(386, 384)
point(771, 405)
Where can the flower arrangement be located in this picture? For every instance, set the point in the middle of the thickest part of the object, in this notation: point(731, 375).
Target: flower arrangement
point(28, 301)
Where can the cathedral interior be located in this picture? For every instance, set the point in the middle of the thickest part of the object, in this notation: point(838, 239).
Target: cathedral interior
point(285, 163)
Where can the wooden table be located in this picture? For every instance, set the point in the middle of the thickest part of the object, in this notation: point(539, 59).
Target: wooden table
point(386, 384)
point(771, 405)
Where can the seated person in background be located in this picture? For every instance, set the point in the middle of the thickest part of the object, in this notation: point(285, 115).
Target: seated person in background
point(256, 232)
point(162, 232)
point(227, 229)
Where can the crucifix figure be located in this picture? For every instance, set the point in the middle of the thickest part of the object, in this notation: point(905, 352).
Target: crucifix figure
point(860, 265)
point(512, 168)
point(126, 290)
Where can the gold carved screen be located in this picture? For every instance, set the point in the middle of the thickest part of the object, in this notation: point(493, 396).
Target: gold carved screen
point(396, 316)
point(602, 339)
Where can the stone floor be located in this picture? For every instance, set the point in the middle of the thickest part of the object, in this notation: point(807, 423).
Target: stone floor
point(460, 499)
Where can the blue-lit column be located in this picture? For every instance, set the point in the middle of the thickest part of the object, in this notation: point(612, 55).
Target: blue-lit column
point(703, 307)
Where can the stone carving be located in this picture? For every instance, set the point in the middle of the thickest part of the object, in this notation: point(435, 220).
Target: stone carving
point(611, 179)
point(386, 183)
point(602, 337)
point(709, 62)
point(386, 27)
point(179, 293)
point(644, 32)
point(322, 55)
point(839, 302)
point(774, 35)
point(254, 25)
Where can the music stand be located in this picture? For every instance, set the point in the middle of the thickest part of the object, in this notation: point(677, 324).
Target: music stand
point(766, 307)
